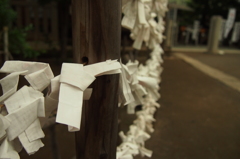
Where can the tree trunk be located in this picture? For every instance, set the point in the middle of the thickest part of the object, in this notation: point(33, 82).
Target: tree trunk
point(96, 38)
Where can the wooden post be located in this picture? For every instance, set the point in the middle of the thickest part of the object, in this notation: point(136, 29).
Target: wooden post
point(96, 38)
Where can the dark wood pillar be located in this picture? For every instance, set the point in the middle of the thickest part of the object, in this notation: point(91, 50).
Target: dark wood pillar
point(96, 38)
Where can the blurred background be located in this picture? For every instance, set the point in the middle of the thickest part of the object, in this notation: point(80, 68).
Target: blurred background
point(199, 117)
point(42, 28)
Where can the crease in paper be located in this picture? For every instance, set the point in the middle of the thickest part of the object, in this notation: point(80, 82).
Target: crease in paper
point(74, 81)
point(22, 108)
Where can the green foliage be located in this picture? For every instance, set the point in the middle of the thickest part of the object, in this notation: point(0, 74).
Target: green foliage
point(7, 15)
point(18, 44)
point(17, 36)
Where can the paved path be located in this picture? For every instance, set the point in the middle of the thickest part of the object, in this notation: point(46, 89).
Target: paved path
point(199, 116)
point(225, 78)
point(228, 63)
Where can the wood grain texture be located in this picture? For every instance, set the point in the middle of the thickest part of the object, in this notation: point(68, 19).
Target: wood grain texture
point(97, 35)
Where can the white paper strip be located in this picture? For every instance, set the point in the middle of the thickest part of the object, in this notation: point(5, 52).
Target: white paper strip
point(21, 119)
point(2, 130)
point(7, 150)
point(130, 15)
point(30, 147)
point(75, 75)
point(21, 98)
point(125, 90)
point(74, 80)
point(104, 68)
point(51, 100)
point(34, 131)
point(9, 85)
point(38, 74)
point(70, 106)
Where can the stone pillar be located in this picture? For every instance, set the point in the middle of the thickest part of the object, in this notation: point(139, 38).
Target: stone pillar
point(214, 33)
point(168, 42)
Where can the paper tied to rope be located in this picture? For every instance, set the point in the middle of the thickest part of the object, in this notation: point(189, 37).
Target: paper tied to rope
point(156, 30)
point(4, 124)
point(10, 149)
point(74, 79)
point(133, 143)
point(140, 31)
point(24, 108)
point(139, 135)
point(107, 67)
point(156, 52)
point(150, 105)
point(144, 121)
point(128, 148)
point(135, 13)
point(137, 91)
point(134, 140)
point(139, 17)
point(132, 68)
point(9, 85)
point(138, 77)
point(130, 14)
point(127, 151)
point(51, 99)
point(161, 7)
point(125, 94)
point(153, 66)
point(37, 74)
point(151, 84)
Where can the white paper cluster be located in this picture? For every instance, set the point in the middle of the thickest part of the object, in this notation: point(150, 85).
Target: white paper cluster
point(21, 109)
point(143, 84)
point(75, 79)
point(144, 18)
point(25, 111)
